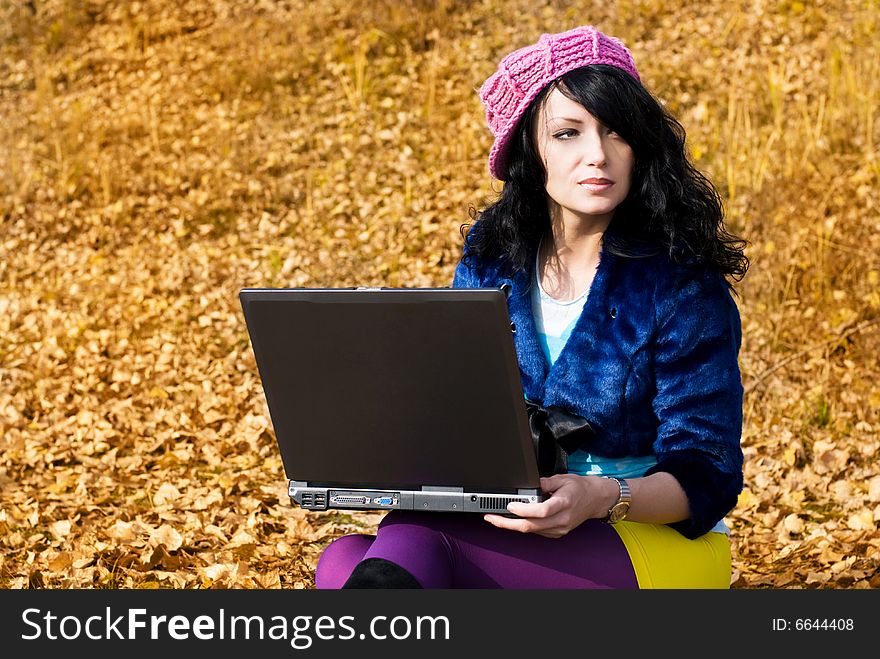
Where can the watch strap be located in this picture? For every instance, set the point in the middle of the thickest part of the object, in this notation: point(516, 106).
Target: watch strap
point(619, 510)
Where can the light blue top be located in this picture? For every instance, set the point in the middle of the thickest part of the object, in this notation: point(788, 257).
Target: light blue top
point(554, 321)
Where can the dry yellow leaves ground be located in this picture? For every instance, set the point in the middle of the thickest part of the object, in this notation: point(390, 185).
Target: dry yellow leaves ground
point(156, 156)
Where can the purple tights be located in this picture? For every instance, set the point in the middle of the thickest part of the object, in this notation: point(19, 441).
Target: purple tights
point(461, 550)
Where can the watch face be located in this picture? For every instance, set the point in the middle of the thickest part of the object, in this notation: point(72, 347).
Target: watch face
point(619, 511)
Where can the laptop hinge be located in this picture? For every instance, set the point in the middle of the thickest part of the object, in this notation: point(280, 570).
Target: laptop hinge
point(440, 488)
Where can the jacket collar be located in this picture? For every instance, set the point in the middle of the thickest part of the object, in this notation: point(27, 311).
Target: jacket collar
point(532, 363)
point(537, 375)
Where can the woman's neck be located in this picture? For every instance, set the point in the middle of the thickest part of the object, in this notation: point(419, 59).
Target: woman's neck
point(568, 258)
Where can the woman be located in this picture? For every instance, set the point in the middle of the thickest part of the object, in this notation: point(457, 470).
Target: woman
point(613, 249)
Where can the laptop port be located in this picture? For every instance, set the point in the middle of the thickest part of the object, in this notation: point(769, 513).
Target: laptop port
point(348, 499)
point(385, 501)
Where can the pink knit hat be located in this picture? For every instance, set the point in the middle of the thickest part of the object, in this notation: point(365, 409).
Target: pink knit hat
point(522, 75)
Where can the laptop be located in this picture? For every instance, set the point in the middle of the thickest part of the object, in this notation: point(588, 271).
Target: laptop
point(394, 398)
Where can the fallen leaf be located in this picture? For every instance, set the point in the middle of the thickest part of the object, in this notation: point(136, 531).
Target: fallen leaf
point(166, 535)
point(166, 493)
point(60, 529)
point(794, 524)
point(861, 521)
point(874, 488)
point(122, 532)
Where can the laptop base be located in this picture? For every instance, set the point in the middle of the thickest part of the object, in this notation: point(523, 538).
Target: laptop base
point(439, 499)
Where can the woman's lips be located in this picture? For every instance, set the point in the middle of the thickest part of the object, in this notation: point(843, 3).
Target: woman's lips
point(595, 184)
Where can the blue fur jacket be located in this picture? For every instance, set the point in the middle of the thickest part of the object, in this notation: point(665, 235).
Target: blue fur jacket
point(652, 366)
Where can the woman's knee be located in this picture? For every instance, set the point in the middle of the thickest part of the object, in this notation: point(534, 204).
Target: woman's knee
point(339, 558)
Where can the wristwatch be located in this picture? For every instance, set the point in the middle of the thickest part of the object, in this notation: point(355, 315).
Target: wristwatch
point(618, 511)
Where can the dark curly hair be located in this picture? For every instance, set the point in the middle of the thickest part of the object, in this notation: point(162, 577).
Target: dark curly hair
point(671, 206)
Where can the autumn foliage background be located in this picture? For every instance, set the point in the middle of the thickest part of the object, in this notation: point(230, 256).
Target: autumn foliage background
point(157, 156)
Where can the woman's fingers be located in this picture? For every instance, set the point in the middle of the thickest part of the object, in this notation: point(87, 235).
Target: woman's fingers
point(553, 483)
point(511, 523)
point(533, 510)
point(553, 517)
point(525, 526)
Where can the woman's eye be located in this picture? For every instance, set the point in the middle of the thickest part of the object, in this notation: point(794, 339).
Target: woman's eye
point(564, 134)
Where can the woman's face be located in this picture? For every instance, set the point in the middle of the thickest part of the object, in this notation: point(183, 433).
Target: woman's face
point(589, 167)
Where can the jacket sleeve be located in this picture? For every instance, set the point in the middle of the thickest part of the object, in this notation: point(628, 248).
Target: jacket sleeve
point(468, 273)
point(464, 276)
point(699, 397)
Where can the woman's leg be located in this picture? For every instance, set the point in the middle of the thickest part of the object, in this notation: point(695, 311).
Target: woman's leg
point(339, 558)
point(663, 558)
point(460, 550)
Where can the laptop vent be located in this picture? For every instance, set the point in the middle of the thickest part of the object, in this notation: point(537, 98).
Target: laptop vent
point(498, 503)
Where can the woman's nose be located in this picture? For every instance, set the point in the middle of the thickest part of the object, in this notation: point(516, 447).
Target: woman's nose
point(594, 150)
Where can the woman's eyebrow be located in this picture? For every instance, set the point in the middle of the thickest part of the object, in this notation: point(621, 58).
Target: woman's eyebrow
point(568, 119)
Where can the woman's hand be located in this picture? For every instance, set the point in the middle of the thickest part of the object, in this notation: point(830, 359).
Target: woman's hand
point(573, 499)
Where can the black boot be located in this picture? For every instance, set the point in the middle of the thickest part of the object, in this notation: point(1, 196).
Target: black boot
point(379, 573)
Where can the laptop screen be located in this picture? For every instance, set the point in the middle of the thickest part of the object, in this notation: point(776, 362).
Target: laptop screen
point(393, 387)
